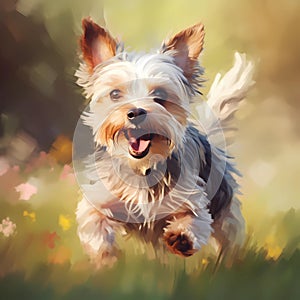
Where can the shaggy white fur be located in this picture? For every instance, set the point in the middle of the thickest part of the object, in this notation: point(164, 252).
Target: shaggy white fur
point(153, 171)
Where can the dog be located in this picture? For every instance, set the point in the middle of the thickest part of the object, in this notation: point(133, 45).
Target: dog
point(154, 172)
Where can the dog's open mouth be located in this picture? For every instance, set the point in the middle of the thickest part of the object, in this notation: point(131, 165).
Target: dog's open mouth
point(139, 142)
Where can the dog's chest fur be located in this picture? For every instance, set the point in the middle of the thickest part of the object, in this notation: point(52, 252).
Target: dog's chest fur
point(168, 187)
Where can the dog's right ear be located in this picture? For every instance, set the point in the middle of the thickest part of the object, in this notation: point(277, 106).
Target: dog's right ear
point(96, 43)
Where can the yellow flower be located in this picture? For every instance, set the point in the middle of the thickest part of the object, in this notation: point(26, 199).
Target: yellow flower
point(61, 149)
point(204, 261)
point(272, 248)
point(273, 252)
point(30, 215)
point(64, 222)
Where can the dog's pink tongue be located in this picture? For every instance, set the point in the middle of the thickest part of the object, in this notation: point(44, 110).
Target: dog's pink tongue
point(138, 145)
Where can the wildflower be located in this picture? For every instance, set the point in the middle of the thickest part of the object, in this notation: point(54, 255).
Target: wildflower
point(64, 222)
point(7, 227)
point(30, 215)
point(26, 190)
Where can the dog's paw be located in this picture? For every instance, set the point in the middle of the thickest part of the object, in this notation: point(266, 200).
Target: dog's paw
point(179, 243)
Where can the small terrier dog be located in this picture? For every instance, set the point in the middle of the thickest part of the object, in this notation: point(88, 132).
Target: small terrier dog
point(155, 172)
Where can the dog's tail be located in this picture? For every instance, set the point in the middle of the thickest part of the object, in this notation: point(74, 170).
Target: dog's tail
point(223, 99)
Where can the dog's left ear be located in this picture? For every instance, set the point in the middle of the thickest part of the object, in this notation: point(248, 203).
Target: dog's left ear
point(185, 47)
point(96, 43)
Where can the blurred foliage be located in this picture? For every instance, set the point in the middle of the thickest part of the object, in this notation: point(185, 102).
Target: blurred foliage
point(40, 256)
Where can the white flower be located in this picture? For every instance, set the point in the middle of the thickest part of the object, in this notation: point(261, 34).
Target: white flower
point(7, 227)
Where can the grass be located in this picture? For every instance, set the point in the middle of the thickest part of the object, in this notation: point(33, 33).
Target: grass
point(41, 258)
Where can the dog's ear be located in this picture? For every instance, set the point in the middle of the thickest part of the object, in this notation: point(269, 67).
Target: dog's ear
point(185, 47)
point(96, 43)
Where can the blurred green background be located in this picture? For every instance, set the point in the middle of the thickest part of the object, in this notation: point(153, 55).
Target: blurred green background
point(40, 255)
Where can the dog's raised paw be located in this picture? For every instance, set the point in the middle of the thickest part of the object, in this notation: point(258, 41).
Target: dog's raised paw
point(179, 243)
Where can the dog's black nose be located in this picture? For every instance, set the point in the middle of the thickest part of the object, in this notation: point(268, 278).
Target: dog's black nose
point(136, 115)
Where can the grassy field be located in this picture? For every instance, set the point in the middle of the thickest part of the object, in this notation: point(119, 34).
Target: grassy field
point(41, 258)
point(254, 278)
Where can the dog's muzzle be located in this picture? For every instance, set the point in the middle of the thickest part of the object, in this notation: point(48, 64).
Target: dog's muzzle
point(139, 142)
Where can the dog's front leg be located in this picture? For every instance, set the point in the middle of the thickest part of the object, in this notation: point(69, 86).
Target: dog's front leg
point(97, 234)
point(186, 233)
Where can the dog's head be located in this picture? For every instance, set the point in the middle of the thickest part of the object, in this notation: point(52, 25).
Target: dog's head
point(139, 104)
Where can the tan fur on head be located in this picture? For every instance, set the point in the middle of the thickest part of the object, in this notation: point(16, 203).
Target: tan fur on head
point(160, 122)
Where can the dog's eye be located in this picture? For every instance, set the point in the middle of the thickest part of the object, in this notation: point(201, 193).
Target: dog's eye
point(159, 95)
point(115, 95)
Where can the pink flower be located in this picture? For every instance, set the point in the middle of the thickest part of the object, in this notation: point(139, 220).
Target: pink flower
point(26, 190)
point(7, 227)
point(67, 174)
